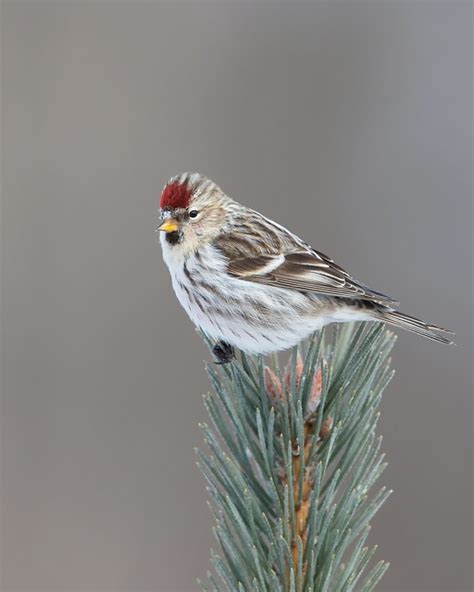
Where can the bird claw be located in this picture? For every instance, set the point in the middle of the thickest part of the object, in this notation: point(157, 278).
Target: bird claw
point(224, 353)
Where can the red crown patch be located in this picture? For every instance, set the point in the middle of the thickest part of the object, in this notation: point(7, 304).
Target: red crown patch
point(175, 195)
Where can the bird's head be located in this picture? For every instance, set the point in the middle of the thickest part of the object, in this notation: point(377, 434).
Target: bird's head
point(192, 210)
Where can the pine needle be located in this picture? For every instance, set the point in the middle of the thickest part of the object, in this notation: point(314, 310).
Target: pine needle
point(292, 459)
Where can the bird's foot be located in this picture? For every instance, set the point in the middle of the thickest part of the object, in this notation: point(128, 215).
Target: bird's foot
point(223, 352)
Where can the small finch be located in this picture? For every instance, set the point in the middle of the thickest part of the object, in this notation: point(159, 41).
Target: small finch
point(247, 282)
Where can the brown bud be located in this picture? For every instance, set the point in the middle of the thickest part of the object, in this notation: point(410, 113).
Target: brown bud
point(326, 428)
point(315, 393)
point(273, 385)
point(298, 371)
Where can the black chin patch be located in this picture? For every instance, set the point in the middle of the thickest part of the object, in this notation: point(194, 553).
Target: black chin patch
point(173, 238)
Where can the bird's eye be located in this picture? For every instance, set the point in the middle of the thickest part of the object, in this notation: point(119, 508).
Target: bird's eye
point(193, 213)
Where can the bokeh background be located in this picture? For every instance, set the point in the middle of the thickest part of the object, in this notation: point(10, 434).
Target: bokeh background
point(349, 122)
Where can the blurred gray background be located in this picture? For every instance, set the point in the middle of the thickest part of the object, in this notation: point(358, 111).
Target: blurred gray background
point(348, 122)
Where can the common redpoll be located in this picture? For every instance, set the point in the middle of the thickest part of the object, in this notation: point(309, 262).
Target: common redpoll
point(247, 282)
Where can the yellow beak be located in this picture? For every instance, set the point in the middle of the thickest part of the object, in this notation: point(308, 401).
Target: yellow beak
point(168, 225)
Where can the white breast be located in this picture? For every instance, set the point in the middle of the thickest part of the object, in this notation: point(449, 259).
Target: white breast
point(253, 317)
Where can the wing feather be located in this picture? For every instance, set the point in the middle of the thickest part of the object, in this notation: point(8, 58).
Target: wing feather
point(266, 253)
point(304, 272)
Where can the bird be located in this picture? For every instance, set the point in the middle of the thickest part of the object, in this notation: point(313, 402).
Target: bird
point(247, 282)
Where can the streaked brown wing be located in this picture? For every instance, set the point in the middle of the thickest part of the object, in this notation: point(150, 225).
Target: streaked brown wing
point(305, 271)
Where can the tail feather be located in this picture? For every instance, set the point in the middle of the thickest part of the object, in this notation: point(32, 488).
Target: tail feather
point(415, 325)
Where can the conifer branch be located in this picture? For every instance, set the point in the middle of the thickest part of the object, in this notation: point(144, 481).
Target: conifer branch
point(292, 461)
